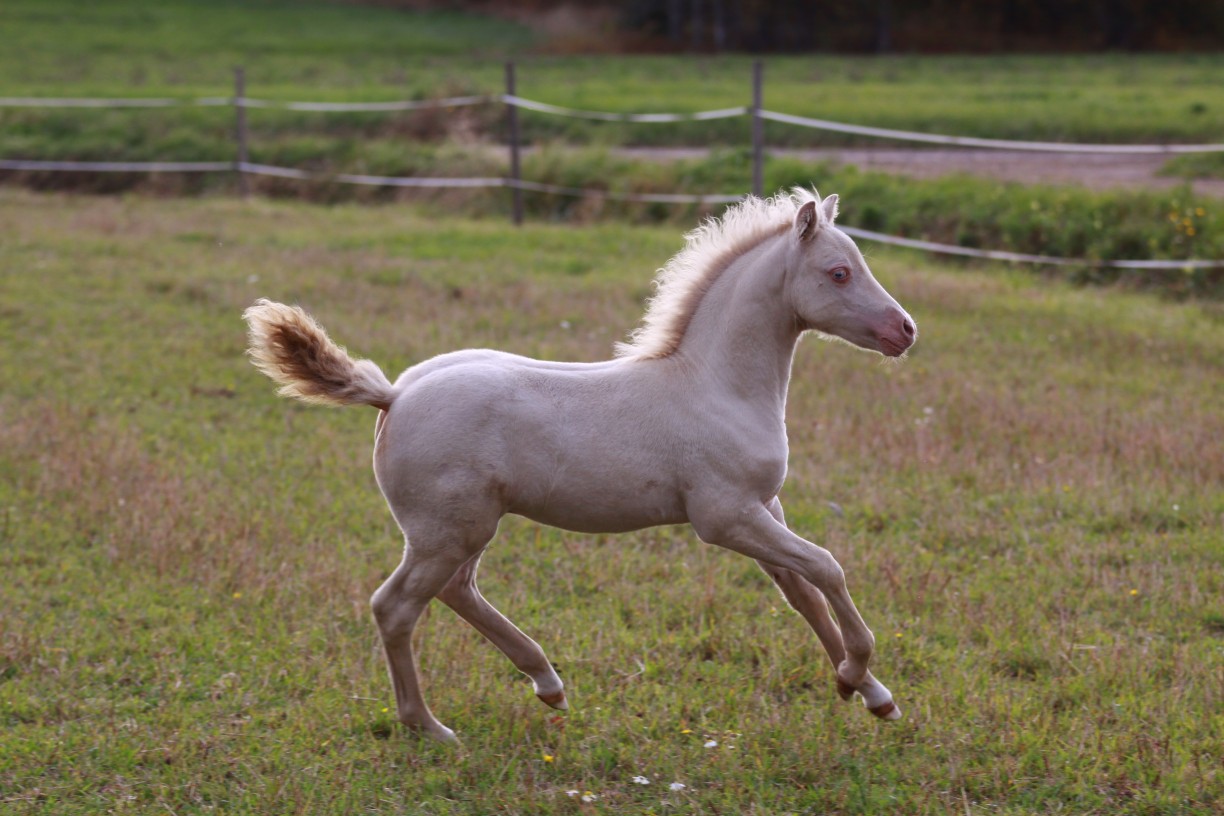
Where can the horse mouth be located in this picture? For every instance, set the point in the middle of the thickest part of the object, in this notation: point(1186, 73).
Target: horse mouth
point(898, 339)
point(891, 349)
point(894, 347)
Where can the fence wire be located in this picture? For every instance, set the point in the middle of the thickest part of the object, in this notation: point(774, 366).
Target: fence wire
point(252, 168)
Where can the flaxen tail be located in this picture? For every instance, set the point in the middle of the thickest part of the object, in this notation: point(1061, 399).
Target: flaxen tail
point(291, 348)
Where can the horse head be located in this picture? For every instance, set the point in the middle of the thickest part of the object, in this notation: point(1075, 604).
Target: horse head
point(832, 290)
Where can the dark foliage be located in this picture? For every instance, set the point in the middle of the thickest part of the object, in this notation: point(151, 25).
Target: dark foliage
point(910, 25)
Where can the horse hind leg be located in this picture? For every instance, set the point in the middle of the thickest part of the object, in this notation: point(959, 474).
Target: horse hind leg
point(432, 555)
point(463, 596)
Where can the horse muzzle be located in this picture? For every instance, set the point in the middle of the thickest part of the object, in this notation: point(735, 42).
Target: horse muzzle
point(896, 334)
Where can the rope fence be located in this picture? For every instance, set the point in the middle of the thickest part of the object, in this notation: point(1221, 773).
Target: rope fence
point(240, 102)
point(247, 102)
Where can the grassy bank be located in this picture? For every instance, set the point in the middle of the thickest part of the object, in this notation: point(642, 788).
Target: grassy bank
point(961, 210)
point(957, 210)
point(1031, 514)
point(1206, 165)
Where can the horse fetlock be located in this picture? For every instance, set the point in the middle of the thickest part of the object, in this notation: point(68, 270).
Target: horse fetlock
point(548, 685)
point(549, 688)
point(425, 723)
point(875, 695)
point(439, 732)
point(851, 675)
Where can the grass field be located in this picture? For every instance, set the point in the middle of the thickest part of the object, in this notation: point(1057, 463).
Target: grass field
point(1031, 521)
point(318, 50)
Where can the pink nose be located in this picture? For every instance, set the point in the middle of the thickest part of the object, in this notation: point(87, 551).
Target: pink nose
point(899, 335)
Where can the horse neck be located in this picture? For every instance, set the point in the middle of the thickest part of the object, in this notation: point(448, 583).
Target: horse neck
point(743, 332)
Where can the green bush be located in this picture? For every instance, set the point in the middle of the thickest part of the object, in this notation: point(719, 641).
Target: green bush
point(959, 210)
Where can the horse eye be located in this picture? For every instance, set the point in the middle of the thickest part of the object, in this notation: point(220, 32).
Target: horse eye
point(840, 274)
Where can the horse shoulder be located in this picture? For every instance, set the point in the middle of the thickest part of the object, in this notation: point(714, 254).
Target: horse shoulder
point(739, 459)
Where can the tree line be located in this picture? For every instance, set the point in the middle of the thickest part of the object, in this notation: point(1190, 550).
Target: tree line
point(886, 26)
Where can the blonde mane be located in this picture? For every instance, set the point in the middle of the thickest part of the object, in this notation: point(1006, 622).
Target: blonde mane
point(708, 251)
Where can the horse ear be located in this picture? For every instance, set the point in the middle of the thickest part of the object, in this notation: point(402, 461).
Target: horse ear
point(829, 208)
point(807, 222)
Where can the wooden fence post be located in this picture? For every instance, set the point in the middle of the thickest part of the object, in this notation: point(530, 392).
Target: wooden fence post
point(240, 131)
point(758, 129)
point(515, 171)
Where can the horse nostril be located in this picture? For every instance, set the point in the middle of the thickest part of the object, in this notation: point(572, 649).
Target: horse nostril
point(907, 326)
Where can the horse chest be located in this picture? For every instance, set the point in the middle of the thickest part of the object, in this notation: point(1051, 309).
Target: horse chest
point(748, 451)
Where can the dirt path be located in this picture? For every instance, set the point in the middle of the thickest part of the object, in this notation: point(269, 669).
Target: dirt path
point(1092, 171)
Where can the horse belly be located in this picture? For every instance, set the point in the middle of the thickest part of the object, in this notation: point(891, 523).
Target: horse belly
point(600, 488)
point(616, 511)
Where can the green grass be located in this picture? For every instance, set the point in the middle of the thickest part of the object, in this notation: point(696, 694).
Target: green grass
point(958, 210)
point(319, 50)
point(1203, 165)
point(1032, 514)
point(130, 47)
point(961, 210)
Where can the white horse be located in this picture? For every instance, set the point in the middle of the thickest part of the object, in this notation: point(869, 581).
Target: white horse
point(686, 424)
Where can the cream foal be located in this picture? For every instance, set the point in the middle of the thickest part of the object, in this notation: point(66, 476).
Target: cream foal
point(687, 424)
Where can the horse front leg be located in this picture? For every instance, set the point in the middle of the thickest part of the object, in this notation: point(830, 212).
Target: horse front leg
point(808, 575)
point(808, 601)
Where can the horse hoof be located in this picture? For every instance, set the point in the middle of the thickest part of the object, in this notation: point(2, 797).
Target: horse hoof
point(556, 700)
point(434, 730)
point(844, 689)
point(442, 734)
point(887, 711)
